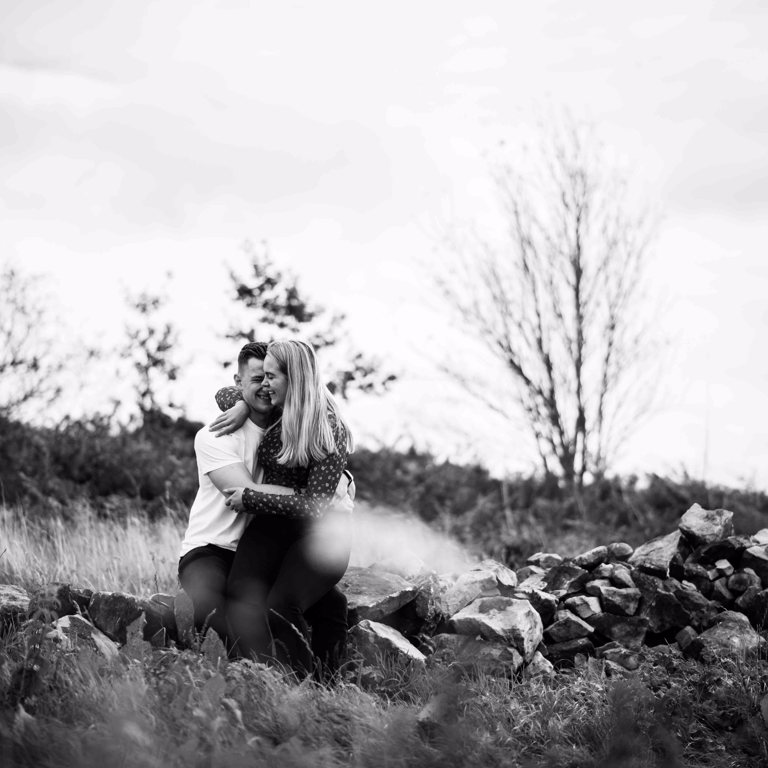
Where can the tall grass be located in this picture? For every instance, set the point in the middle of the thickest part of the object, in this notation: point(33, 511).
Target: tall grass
point(130, 554)
point(173, 708)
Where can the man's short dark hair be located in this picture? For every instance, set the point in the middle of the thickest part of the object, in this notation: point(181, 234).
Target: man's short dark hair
point(257, 349)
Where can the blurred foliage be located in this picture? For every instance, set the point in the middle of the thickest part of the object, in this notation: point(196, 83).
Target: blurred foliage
point(115, 467)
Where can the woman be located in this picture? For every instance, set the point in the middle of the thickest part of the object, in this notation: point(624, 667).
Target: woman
point(297, 546)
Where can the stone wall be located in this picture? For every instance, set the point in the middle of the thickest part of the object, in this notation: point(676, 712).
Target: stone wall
point(699, 589)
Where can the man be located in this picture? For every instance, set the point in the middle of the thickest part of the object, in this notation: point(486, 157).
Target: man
point(214, 529)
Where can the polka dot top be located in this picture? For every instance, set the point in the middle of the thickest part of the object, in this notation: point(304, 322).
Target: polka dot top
point(314, 485)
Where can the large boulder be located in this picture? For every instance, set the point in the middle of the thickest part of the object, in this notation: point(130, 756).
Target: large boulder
point(486, 579)
point(112, 612)
point(472, 655)
point(73, 631)
point(656, 555)
point(731, 635)
point(374, 641)
point(503, 619)
point(374, 594)
point(14, 604)
point(703, 526)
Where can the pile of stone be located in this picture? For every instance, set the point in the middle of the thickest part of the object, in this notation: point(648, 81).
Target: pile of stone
point(699, 588)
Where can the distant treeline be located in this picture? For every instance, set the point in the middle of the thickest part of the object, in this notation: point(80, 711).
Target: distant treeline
point(150, 467)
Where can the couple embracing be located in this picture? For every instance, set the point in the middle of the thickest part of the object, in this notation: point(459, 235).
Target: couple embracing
point(269, 532)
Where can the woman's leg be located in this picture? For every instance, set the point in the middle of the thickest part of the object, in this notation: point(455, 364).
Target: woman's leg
point(203, 573)
point(256, 564)
point(310, 568)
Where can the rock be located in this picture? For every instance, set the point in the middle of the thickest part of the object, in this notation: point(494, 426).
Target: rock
point(731, 548)
point(761, 537)
point(72, 631)
point(426, 605)
point(375, 641)
point(471, 655)
point(618, 654)
point(698, 575)
point(112, 612)
point(503, 619)
point(753, 603)
point(487, 579)
point(701, 611)
point(14, 604)
point(621, 576)
point(505, 577)
point(374, 594)
point(740, 581)
point(619, 550)
point(583, 606)
point(622, 601)
point(724, 567)
point(655, 556)
point(591, 558)
point(528, 571)
point(730, 636)
point(593, 587)
point(161, 619)
point(544, 560)
point(544, 603)
point(628, 630)
point(721, 593)
point(538, 666)
point(567, 626)
point(756, 558)
point(685, 637)
point(564, 654)
point(565, 579)
point(602, 571)
point(703, 526)
point(536, 581)
point(56, 599)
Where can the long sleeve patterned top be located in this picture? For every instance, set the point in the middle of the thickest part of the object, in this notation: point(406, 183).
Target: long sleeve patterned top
point(314, 485)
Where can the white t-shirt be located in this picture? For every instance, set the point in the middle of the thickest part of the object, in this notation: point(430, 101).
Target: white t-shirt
point(210, 520)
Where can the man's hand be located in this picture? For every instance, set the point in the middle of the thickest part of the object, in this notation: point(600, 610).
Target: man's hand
point(234, 498)
point(231, 420)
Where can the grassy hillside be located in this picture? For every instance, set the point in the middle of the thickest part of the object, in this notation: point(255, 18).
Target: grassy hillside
point(170, 708)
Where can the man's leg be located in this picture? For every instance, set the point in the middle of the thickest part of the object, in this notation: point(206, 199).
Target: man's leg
point(203, 573)
point(255, 567)
point(328, 621)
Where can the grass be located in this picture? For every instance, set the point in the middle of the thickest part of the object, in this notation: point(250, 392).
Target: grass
point(181, 708)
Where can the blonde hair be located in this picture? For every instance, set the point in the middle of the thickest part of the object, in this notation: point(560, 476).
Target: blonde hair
point(310, 412)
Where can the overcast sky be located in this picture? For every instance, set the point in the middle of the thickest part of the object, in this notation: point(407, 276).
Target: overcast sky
point(140, 138)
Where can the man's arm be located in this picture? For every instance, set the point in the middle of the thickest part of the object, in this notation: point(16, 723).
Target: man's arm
point(237, 475)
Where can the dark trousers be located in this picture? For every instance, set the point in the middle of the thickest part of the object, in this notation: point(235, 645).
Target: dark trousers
point(281, 573)
point(203, 574)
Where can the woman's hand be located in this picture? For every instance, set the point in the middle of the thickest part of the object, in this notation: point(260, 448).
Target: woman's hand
point(234, 498)
point(231, 420)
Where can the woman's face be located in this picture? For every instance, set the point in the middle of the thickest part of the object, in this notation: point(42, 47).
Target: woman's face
point(275, 381)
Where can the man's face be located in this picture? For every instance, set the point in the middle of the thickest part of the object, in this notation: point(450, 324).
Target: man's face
point(250, 379)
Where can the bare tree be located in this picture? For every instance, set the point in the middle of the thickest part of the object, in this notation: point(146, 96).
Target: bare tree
point(29, 365)
point(558, 302)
